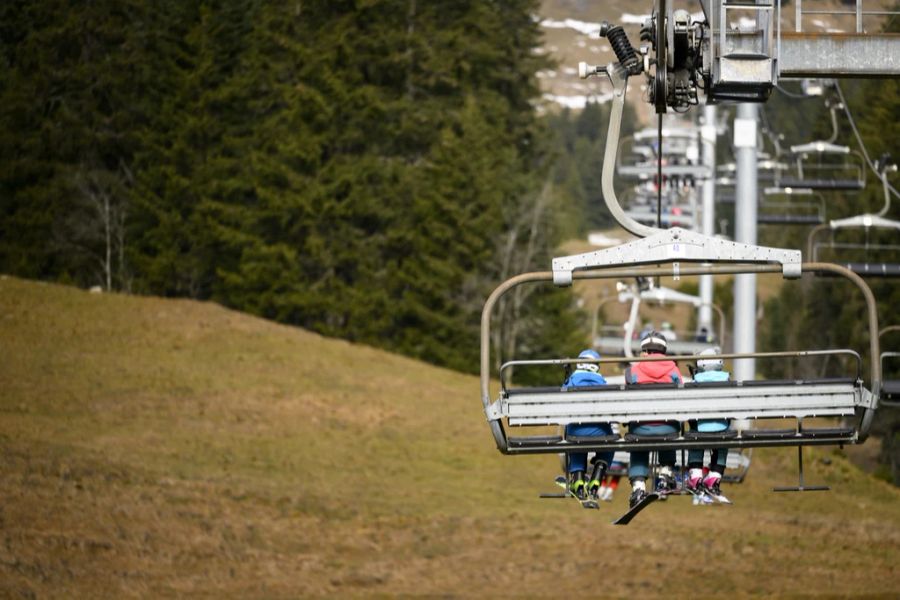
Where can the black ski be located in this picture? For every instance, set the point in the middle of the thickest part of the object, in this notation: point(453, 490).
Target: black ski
point(647, 501)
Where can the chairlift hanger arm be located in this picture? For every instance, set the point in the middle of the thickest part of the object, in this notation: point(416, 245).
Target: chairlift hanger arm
point(676, 245)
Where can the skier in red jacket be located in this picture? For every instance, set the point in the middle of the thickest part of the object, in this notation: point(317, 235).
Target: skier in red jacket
point(664, 371)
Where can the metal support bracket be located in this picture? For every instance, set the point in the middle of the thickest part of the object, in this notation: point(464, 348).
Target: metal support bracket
point(676, 245)
point(867, 399)
point(493, 411)
point(801, 487)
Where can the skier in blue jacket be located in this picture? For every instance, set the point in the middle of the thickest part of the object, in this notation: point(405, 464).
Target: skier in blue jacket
point(709, 368)
point(587, 374)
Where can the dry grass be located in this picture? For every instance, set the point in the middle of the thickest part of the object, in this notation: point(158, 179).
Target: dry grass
point(164, 448)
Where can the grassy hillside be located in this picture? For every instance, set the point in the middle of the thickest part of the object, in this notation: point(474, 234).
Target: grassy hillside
point(158, 447)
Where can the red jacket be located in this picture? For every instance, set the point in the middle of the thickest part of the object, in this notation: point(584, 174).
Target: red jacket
point(663, 371)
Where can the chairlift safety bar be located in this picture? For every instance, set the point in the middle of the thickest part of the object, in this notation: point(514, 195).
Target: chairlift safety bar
point(684, 358)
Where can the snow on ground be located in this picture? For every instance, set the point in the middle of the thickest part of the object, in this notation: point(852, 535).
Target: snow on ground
point(580, 26)
point(578, 100)
point(630, 19)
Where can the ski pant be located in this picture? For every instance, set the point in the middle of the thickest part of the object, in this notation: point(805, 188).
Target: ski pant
point(717, 457)
point(578, 460)
point(640, 459)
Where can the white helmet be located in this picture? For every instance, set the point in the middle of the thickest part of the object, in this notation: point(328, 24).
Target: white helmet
point(592, 367)
point(710, 364)
point(654, 342)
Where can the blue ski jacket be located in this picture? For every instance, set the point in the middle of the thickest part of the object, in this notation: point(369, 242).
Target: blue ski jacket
point(712, 425)
point(583, 378)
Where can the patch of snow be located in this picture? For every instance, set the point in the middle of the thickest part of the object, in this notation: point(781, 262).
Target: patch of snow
point(631, 19)
point(570, 71)
point(583, 27)
point(578, 101)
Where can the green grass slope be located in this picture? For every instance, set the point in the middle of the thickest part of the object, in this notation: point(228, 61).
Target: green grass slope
point(155, 447)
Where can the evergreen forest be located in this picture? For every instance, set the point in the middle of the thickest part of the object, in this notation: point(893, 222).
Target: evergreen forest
point(367, 169)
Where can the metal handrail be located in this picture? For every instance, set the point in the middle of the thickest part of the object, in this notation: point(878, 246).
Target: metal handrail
point(684, 358)
point(889, 329)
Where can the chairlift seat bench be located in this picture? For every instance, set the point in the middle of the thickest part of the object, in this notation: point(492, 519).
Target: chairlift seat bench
point(619, 403)
point(831, 185)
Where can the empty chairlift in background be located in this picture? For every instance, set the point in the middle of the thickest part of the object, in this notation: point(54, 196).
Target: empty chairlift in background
point(824, 166)
point(890, 366)
point(790, 206)
point(678, 205)
point(867, 258)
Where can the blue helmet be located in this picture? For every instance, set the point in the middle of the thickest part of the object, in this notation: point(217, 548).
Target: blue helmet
point(592, 367)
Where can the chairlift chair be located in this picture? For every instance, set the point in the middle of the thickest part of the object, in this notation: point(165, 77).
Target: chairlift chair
point(677, 210)
point(824, 166)
point(890, 388)
point(637, 158)
point(767, 170)
point(866, 267)
point(790, 206)
point(661, 295)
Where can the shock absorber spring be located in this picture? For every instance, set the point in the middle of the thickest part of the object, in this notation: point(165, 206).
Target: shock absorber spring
point(622, 47)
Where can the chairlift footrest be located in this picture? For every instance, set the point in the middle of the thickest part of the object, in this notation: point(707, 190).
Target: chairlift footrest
point(728, 434)
point(633, 437)
point(768, 434)
point(805, 488)
point(534, 441)
point(592, 439)
point(825, 432)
